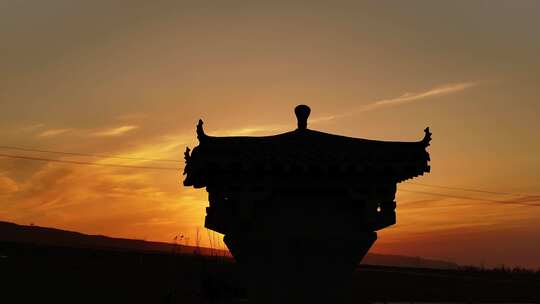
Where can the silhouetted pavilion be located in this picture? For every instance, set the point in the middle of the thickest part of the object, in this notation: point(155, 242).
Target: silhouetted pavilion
point(300, 209)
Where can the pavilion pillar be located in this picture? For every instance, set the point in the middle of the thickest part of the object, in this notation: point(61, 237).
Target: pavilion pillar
point(298, 270)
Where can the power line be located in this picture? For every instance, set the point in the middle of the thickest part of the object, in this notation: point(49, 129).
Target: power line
point(84, 163)
point(509, 202)
point(463, 189)
point(178, 161)
point(87, 154)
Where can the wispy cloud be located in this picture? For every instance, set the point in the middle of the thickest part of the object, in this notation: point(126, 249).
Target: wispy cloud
point(7, 185)
point(409, 97)
point(250, 130)
point(67, 196)
point(116, 131)
point(403, 99)
point(53, 132)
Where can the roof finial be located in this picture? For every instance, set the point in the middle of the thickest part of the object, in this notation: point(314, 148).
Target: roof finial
point(302, 114)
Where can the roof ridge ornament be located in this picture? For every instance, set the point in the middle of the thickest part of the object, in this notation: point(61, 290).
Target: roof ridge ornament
point(187, 158)
point(427, 137)
point(302, 113)
point(200, 131)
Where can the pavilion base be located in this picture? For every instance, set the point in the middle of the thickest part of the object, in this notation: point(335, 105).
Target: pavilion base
point(298, 270)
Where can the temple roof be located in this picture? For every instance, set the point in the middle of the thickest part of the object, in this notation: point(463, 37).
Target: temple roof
point(304, 150)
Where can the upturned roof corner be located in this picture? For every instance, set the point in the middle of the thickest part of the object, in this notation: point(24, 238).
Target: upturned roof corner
point(200, 132)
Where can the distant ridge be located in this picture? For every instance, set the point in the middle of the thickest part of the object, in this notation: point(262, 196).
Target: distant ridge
point(10, 232)
point(406, 261)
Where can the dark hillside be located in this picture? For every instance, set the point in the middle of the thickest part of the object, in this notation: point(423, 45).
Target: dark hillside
point(56, 237)
point(58, 266)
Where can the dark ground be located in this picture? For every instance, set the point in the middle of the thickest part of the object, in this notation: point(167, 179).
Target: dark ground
point(53, 274)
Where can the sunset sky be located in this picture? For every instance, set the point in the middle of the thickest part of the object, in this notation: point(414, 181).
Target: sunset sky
point(131, 79)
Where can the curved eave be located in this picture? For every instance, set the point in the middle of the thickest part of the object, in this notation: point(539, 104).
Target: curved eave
point(298, 134)
point(305, 150)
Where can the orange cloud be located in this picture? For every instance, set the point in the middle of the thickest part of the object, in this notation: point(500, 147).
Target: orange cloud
point(7, 185)
point(116, 131)
point(250, 130)
point(118, 202)
point(53, 132)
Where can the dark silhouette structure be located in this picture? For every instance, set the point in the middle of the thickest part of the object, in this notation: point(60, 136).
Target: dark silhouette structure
point(299, 210)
